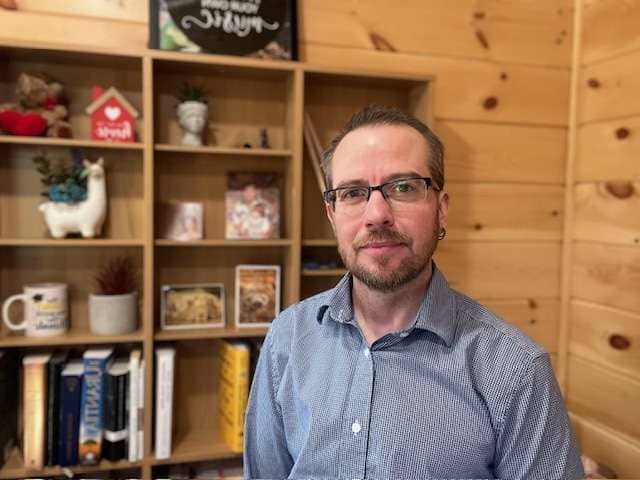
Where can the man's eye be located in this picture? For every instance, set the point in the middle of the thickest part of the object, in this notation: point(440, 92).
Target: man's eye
point(403, 187)
point(353, 194)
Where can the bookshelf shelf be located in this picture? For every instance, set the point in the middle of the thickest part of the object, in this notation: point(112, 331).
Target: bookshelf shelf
point(71, 242)
point(14, 468)
point(82, 337)
point(198, 450)
point(225, 243)
point(257, 152)
point(68, 142)
point(324, 272)
point(213, 333)
point(319, 242)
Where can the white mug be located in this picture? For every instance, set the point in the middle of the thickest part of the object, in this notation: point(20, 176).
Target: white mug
point(45, 310)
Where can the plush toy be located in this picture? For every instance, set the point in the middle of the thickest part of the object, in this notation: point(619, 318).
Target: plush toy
point(41, 109)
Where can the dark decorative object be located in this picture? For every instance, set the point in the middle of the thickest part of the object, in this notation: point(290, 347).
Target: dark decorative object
point(264, 138)
point(244, 27)
point(116, 277)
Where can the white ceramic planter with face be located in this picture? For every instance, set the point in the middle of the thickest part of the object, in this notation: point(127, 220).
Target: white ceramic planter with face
point(113, 314)
point(192, 116)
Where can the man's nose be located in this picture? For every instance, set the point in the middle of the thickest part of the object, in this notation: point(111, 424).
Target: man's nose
point(378, 211)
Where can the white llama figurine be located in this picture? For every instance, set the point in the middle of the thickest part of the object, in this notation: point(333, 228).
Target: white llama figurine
point(85, 217)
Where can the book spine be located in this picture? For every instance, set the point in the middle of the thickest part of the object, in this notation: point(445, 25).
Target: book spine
point(233, 392)
point(34, 411)
point(134, 364)
point(53, 408)
point(164, 403)
point(110, 394)
point(116, 428)
point(141, 410)
point(70, 390)
point(91, 411)
point(8, 405)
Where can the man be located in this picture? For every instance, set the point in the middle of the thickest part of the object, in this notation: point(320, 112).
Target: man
point(392, 374)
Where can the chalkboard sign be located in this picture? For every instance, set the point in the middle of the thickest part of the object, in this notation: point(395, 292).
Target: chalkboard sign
point(256, 28)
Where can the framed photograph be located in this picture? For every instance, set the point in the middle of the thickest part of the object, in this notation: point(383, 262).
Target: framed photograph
point(194, 305)
point(252, 206)
point(254, 28)
point(257, 295)
point(181, 221)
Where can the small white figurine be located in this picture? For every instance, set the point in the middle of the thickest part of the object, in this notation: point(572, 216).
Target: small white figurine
point(85, 217)
point(192, 116)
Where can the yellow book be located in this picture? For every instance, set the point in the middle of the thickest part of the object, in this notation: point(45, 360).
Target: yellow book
point(34, 410)
point(233, 391)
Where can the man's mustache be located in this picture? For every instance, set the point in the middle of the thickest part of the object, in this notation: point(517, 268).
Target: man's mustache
point(380, 235)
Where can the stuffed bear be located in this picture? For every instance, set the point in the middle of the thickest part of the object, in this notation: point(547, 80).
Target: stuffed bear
point(41, 108)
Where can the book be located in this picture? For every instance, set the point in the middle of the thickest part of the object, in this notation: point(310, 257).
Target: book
point(252, 205)
point(115, 410)
point(91, 407)
point(314, 148)
point(34, 409)
point(141, 410)
point(233, 392)
point(134, 373)
point(165, 359)
point(257, 295)
point(54, 368)
point(69, 419)
point(8, 404)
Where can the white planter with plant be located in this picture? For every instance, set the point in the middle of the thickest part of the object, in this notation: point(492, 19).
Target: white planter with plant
point(113, 310)
point(193, 112)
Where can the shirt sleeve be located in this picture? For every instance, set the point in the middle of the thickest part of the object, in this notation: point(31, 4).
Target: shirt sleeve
point(265, 448)
point(536, 440)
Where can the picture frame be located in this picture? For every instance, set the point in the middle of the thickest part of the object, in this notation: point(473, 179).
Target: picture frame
point(252, 206)
point(181, 221)
point(257, 295)
point(265, 29)
point(192, 306)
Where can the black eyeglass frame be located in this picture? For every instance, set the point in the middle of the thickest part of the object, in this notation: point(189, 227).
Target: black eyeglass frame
point(372, 188)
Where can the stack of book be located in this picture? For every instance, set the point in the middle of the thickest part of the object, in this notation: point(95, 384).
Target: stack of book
point(79, 410)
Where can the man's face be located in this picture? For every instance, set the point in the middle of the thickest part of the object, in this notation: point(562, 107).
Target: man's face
point(387, 245)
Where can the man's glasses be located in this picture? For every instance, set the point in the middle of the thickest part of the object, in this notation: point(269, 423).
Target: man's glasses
point(399, 193)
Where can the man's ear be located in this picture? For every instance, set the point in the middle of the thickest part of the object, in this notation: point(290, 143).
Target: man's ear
point(443, 208)
point(328, 208)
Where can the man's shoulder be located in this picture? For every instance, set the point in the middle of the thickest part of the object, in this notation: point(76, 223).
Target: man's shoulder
point(301, 317)
point(482, 327)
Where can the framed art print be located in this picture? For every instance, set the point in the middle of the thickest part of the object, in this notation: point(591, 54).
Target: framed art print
point(257, 298)
point(194, 305)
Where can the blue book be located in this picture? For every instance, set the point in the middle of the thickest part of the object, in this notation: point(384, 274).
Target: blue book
point(68, 429)
point(92, 405)
point(54, 367)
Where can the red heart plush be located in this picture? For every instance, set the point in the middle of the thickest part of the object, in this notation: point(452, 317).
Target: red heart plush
point(26, 124)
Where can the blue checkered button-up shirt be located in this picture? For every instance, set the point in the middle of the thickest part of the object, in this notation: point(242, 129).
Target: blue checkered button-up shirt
point(459, 394)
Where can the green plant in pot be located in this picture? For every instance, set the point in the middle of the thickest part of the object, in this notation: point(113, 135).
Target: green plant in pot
point(113, 309)
point(192, 111)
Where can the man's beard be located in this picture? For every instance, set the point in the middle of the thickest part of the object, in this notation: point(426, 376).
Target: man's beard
point(388, 280)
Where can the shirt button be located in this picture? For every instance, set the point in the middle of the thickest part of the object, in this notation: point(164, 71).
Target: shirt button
point(355, 427)
point(366, 352)
point(404, 334)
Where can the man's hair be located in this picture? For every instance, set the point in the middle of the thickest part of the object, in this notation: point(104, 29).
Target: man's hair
point(374, 115)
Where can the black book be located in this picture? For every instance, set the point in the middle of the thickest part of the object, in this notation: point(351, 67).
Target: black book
point(114, 446)
point(54, 368)
point(8, 404)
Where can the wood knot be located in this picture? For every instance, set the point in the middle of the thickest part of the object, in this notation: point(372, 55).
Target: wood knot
point(622, 133)
point(619, 342)
point(479, 15)
point(555, 213)
point(620, 190)
point(532, 321)
point(532, 304)
point(490, 103)
point(478, 226)
point(593, 83)
point(482, 38)
point(504, 76)
point(380, 43)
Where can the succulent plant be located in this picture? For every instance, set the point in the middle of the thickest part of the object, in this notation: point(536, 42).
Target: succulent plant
point(116, 277)
point(191, 93)
point(65, 180)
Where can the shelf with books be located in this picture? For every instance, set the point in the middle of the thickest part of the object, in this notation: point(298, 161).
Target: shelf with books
point(218, 151)
point(69, 143)
point(14, 468)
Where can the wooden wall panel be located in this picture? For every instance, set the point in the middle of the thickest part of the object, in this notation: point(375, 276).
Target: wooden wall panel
point(465, 89)
point(607, 336)
point(510, 31)
point(603, 394)
point(488, 152)
point(599, 39)
point(607, 212)
point(481, 211)
point(498, 270)
point(609, 89)
point(123, 10)
point(608, 150)
point(607, 274)
point(619, 452)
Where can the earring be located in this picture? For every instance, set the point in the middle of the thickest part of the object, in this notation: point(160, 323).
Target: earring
point(442, 233)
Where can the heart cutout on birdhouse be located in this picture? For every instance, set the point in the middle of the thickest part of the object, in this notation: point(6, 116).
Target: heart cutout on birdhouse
point(112, 113)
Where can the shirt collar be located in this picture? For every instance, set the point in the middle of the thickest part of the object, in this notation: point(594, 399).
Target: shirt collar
point(436, 313)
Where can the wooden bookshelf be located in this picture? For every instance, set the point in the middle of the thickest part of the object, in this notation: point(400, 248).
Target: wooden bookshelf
point(244, 95)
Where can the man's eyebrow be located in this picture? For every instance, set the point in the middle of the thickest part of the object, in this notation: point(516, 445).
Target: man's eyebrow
point(360, 182)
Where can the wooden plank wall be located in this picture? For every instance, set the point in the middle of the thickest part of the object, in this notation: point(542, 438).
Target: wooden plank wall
point(603, 388)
